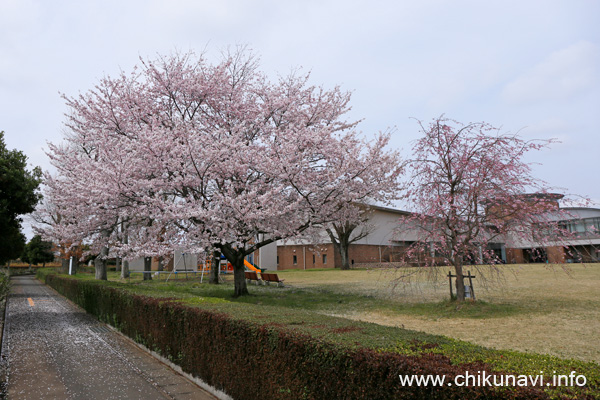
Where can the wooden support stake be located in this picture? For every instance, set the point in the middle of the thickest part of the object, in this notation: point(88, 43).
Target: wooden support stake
point(471, 284)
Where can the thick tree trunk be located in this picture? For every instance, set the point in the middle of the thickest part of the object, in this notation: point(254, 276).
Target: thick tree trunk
point(64, 265)
point(215, 265)
point(239, 278)
point(460, 282)
point(147, 268)
point(118, 264)
point(100, 264)
point(161, 265)
point(74, 265)
point(341, 242)
point(343, 250)
point(125, 269)
point(236, 258)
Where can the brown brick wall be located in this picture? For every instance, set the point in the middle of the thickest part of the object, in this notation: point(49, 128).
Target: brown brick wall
point(584, 253)
point(360, 253)
point(369, 253)
point(285, 256)
point(515, 256)
point(364, 253)
point(555, 254)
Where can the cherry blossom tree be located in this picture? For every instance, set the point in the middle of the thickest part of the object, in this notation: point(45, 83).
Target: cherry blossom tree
point(45, 219)
point(199, 156)
point(349, 227)
point(351, 219)
point(470, 187)
point(98, 182)
point(278, 161)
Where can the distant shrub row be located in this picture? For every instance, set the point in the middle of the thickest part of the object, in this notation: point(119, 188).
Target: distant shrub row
point(4, 284)
point(251, 360)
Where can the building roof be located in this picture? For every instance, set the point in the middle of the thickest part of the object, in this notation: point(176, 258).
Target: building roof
point(580, 208)
point(389, 209)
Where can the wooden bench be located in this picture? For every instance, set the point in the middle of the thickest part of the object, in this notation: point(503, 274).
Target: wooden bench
point(269, 277)
point(251, 276)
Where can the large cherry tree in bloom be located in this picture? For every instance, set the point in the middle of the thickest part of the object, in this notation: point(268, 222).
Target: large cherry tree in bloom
point(94, 195)
point(199, 156)
point(470, 187)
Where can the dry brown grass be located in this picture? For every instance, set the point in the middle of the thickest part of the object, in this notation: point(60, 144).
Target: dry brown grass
point(25, 265)
point(557, 312)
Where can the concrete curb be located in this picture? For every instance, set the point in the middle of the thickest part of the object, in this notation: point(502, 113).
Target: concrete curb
point(215, 392)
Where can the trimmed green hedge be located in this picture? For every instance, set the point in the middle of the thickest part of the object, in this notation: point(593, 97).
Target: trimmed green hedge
point(4, 284)
point(254, 360)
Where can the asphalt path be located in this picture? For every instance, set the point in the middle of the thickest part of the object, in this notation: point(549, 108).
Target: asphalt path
point(54, 350)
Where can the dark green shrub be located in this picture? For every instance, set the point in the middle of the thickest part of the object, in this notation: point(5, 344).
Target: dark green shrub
point(4, 284)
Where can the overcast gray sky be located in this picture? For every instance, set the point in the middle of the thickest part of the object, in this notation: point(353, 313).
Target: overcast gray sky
point(524, 65)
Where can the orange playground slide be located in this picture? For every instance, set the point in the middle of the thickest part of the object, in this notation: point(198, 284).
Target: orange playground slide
point(251, 267)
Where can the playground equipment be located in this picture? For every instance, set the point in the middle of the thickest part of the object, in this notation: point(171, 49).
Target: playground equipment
point(183, 257)
point(250, 266)
point(225, 267)
point(186, 263)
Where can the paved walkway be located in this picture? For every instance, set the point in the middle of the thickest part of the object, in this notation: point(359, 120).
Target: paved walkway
point(55, 350)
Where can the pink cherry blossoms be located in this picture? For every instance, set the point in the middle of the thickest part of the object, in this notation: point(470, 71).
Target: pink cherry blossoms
point(185, 154)
point(468, 188)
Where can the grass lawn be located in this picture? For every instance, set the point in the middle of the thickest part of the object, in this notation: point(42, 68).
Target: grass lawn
point(531, 308)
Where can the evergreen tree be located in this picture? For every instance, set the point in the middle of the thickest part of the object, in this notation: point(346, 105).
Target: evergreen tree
point(38, 251)
point(18, 195)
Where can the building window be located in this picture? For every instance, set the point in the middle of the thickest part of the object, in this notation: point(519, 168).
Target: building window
point(277, 259)
point(314, 259)
point(594, 225)
point(581, 227)
point(577, 227)
point(295, 260)
point(324, 258)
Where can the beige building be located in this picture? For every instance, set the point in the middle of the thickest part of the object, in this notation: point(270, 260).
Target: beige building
point(389, 235)
point(380, 245)
point(583, 245)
